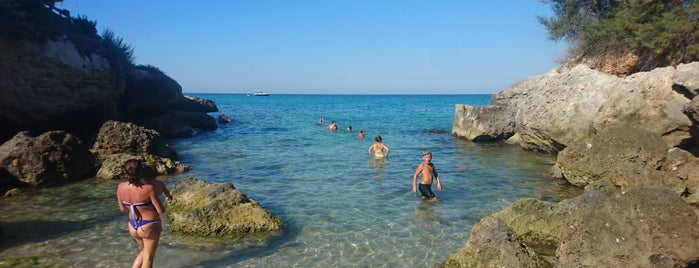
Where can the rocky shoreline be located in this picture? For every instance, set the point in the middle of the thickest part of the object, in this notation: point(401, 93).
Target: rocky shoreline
point(68, 117)
point(632, 143)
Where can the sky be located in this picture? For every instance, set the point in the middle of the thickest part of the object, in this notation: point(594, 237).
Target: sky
point(333, 46)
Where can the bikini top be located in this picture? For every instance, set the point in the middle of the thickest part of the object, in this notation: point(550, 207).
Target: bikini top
point(132, 208)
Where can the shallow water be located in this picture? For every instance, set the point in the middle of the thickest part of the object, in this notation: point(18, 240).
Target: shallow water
point(340, 208)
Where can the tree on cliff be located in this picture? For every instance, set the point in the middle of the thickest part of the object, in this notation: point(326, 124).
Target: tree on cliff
point(626, 36)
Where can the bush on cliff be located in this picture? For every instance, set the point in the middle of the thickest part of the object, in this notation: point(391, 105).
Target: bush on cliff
point(633, 36)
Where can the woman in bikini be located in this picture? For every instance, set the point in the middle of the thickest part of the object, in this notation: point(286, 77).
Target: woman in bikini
point(140, 200)
point(378, 148)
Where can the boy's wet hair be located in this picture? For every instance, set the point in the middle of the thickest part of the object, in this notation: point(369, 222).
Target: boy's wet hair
point(426, 152)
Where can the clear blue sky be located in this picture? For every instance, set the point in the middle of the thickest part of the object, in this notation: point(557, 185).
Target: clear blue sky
point(333, 46)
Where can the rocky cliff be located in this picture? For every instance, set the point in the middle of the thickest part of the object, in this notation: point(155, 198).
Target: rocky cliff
point(551, 111)
point(52, 86)
point(631, 142)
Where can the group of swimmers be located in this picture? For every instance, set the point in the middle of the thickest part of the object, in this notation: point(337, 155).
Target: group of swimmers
point(333, 127)
point(140, 195)
point(425, 170)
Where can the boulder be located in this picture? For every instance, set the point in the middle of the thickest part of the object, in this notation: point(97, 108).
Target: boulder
point(646, 226)
point(682, 175)
point(121, 141)
point(626, 155)
point(643, 227)
point(216, 210)
point(122, 137)
point(112, 165)
point(49, 158)
point(484, 123)
point(692, 111)
point(539, 113)
point(493, 244)
point(686, 80)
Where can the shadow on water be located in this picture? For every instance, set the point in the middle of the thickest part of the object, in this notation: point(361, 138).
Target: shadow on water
point(502, 164)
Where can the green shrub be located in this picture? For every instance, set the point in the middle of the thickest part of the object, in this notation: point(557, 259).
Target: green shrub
point(660, 33)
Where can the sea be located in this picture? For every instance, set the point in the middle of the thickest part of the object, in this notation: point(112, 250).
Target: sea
point(339, 206)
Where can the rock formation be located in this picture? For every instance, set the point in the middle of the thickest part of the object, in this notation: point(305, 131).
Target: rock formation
point(551, 111)
point(154, 100)
point(121, 141)
point(627, 155)
point(47, 85)
point(643, 227)
point(631, 142)
point(493, 244)
point(215, 210)
point(53, 157)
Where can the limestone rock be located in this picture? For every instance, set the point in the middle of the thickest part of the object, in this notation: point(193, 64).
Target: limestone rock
point(112, 165)
point(692, 111)
point(123, 137)
point(48, 158)
point(682, 175)
point(121, 141)
point(493, 244)
point(484, 123)
point(646, 226)
point(551, 111)
point(213, 210)
point(686, 78)
point(627, 155)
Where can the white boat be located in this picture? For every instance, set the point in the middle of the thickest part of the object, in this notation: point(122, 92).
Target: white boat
point(260, 93)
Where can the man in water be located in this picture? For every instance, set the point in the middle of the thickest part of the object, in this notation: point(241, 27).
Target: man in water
point(428, 172)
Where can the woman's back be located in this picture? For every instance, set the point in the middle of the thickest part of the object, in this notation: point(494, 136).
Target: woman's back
point(142, 196)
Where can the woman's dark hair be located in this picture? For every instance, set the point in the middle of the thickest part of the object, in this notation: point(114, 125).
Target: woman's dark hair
point(133, 171)
point(377, 138)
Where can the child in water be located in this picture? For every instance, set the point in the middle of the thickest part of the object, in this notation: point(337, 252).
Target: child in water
point(150, 174)
point(428, 172)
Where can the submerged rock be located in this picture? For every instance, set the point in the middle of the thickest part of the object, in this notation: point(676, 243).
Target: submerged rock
point(214, 210)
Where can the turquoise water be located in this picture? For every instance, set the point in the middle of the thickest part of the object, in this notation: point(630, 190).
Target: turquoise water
point(340, 208)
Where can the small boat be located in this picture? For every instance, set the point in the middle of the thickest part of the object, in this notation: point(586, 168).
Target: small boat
point(260, 93)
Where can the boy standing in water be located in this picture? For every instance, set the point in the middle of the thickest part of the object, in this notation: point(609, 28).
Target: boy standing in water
point(426, 168)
